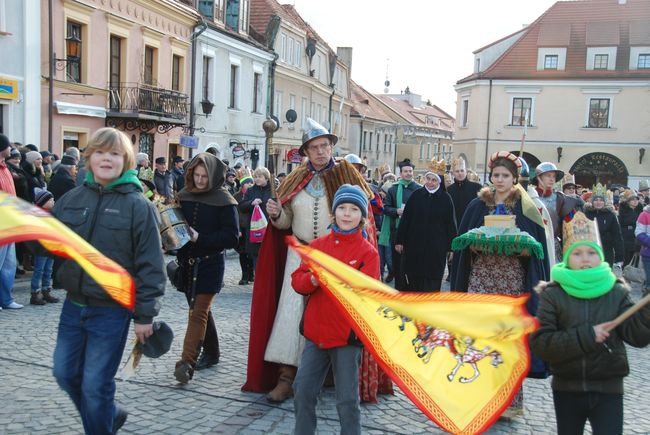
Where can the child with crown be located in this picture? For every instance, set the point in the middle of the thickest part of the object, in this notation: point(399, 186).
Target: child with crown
point(577, 335)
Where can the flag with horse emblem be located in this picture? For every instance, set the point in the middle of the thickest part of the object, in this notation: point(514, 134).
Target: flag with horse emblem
point(459, 357)
point(21, 221)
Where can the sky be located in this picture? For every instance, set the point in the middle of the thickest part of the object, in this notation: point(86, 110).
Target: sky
point(427, 44)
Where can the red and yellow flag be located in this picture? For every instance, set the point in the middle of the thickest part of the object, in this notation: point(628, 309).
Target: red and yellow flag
point(21, 221)
point(459, 357)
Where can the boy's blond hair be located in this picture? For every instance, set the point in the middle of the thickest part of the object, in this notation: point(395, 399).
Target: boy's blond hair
point(108, 139)
point(263, 172)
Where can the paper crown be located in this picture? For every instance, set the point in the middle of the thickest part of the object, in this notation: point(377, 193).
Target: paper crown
point(146, 174)
point(599, 190)
point(628, 194)
point(458, 163)
point(449, 180)
point(439, 166)
point(568, 179)
point(244, 173)
point(580, 229)
point(384, 169)
point(473, 176)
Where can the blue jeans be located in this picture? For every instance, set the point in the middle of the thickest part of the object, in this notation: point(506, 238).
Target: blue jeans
point(7, 273)
point(604, 412)
point(88, 351)
point(646, 267)
point(42, 277)
point(313, 368)
point(385, 259)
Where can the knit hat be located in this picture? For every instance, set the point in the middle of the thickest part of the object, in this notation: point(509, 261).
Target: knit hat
point(68, 160)
point(42, 196)
point(349, 194)
point(4, 142)
point(159, 342)
point(32, 156)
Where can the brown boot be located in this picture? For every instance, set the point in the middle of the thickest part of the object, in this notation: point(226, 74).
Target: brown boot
point(37, 298)
point(49, 298)
point(284, 389)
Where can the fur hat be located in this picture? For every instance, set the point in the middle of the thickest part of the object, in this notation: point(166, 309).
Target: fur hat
point(350, 194)
point(42, 196)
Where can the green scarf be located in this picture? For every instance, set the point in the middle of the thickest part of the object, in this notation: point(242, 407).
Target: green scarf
point(584, 283)
point(128, 177)
point(384, 236)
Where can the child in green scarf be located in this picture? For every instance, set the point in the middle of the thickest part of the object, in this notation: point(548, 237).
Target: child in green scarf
point(576, 309)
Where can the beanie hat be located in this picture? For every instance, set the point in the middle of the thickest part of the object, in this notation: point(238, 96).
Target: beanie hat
point(32, 156)
point(42, 196)
point(4, 142)
point(349, 194)
point(68, 160)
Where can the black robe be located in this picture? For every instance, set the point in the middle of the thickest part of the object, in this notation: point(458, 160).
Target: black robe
point(462, 193)
point(427, 227)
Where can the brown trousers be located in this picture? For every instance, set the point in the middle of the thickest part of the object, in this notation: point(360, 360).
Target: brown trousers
point(196, 324)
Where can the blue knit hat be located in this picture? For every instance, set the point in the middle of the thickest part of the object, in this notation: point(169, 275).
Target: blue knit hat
point(349, 194)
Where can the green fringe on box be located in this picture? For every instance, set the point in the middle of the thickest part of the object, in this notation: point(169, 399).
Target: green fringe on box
point(505, 245)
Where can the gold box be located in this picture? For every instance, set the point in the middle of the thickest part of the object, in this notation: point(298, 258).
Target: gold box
point(500, 221)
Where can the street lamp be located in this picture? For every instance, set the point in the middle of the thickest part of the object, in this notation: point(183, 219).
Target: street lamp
point(270, 126)
point(73, 52)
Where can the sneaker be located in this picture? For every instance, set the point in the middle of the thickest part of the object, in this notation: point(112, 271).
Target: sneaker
point(13, 306)
point(119, 419)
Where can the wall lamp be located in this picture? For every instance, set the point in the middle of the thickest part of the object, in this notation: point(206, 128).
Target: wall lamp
point(559, 153)
point(206, 108)
point(641, 154)
point(73, 52)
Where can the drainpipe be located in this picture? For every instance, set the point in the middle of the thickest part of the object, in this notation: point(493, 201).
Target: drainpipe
point(329, 118)
point(363, 117)
point(487, 135)
point(50, 97)
point(199, 28)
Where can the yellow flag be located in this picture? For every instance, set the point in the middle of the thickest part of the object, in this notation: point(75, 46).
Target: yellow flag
point(21, 221)
point(459, 357)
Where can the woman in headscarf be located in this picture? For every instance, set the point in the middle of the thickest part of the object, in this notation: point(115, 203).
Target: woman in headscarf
point(477, 271)
point(211, 213)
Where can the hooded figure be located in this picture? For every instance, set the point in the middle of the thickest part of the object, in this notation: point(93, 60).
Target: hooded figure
point(211, 213)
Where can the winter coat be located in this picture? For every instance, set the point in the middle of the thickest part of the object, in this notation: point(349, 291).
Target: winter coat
point(462, 193)
point(20, 181)
point(566, 338)
point(627, 218)
point(323, 321)
point(610, 232)
point(121, 224)
point(179, 179)
point(427, 227)
point(62, 182)
point(255, 192)
point(390, 205)
point(35, 178)
point(164, 183)
point(642, 232)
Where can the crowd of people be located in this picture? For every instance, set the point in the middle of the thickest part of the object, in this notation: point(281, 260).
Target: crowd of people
point(399, 228)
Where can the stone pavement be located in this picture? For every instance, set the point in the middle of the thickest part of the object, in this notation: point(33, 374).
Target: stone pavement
point(31, 402)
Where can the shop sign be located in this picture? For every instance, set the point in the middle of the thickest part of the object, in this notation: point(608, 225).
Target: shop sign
point(8, 89)
point(599, 163)
point(293, 156)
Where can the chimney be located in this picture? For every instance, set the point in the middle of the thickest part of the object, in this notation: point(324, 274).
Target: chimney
point(344, 54)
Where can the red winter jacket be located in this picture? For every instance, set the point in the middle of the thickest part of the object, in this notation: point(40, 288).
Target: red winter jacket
point(324, 323)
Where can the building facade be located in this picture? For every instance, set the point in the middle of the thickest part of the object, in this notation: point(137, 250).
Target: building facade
point(20, 117)
point(130, 69)
point(309, 80)
point(575, 83)
point(231, 81)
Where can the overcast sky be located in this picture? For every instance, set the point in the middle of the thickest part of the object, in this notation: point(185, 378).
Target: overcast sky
point(428, 43)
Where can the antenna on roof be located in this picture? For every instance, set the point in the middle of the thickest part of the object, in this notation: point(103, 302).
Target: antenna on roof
point(387, 82)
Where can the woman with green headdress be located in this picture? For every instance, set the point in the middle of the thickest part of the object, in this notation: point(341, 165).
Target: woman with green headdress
point(577, 337)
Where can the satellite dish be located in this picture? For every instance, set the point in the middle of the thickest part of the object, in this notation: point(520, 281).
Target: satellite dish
point(387, 83)
point(277, 122)
point(310, 50)
point(291, 115)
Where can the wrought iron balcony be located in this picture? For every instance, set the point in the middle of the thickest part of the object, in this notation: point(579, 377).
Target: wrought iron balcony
point(150, 101)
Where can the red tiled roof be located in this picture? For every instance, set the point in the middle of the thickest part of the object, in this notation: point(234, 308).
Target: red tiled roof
point(574, 22)
point(417, 115)
point(366, 104)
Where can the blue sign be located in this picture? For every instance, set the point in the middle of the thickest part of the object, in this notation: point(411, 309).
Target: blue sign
point(189, 141)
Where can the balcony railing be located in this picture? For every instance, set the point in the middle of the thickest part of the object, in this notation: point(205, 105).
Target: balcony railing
point(139, 98)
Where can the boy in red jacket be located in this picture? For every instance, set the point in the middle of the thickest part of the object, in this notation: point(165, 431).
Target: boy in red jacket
point(329, 337)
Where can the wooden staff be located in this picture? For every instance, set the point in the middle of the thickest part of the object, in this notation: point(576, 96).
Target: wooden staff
point(628, 313)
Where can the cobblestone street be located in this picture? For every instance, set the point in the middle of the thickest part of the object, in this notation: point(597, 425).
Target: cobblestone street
point(212, 402)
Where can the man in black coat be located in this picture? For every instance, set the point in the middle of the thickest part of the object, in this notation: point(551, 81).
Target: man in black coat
point(64, 179)
point(424, 236)
point(178, 173)
point(462, 191)
point(396, 199)
point(163, 179)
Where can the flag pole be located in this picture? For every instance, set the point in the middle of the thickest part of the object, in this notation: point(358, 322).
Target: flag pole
point(628, 313)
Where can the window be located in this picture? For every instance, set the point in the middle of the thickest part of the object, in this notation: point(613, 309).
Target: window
point(73, 69)
point(363, 145)
point(234, 79)
point(464, 112)
point(114, 74)
point(550, 61)
point(303, 112)
point(600, 61)
point(520, 108)
point(149, 56)
point(317, 66)
point(292, 105)
point(243, 18)
point(428, 150)
point(385, 141)
point(477, 65)
point(283, 47)
point(298, 56)
point(422, 151)
point(644, 61)
point(206, 78)
point(206, 8)
point(290, 51)
point(232, 14)
point(598, 113)
point(257, 93)
point(176, 72)
point(436, 149)
point(219, 10)
point(277, 107)
point(370, 142)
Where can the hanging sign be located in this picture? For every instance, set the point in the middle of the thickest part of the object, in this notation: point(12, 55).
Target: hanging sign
point(8, 89)
point(293, 156)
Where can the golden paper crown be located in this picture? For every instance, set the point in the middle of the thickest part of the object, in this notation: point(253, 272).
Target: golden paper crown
point(384, 169)
point(449, 180)
point(580, 229)
point(568, 179)
point(599, 190)
point(473, 176)
point(244, 173)
point(458, 163)
point(146, 174)
point(439, 167)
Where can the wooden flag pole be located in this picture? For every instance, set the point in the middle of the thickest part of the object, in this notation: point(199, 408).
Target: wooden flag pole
point(628, 313)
